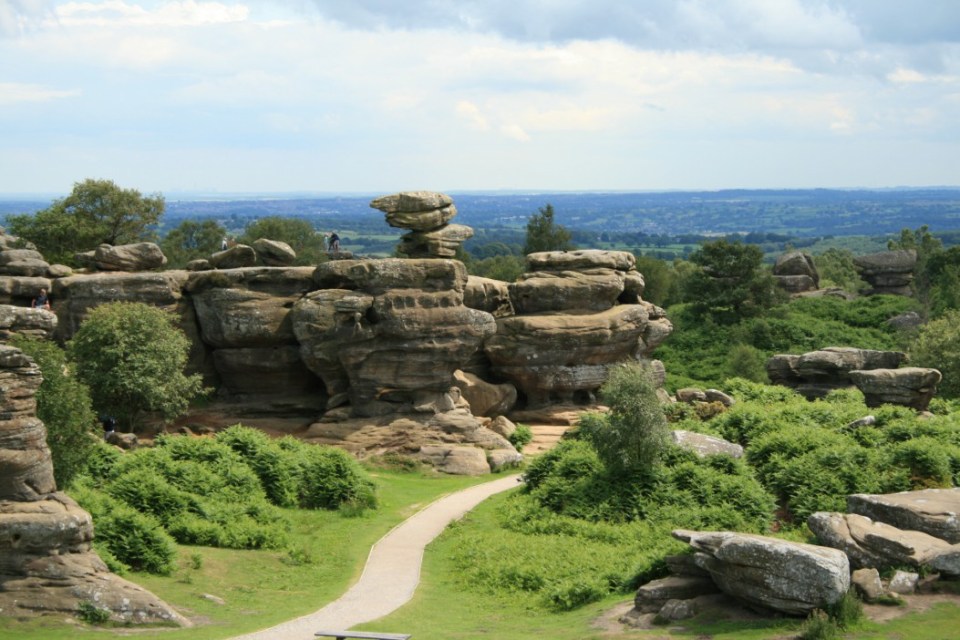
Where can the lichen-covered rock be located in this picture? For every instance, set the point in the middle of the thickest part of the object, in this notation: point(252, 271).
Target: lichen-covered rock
point(875, 544)
point(933, 511)
point(48, 564)
point(140, 256)
point(889, 272)
point(814, 374)
point(652, 596)
point(796, 284)
point(274, 253)
point(790, 577)
point(596, 290)
point(704, 445)
point(797, 263)
point(910, 386)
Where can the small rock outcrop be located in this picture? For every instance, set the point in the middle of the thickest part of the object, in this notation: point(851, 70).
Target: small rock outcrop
point(235, 257)
point(795, 272)
point(577, 314)
point(910, 386)
point(274, 253)
point(789, 577)
point(816, 373)
point(141, 256)
point(704, 445)
point(26, 321)
point(933, 511)
point(427, 216)
point(889, 272)
point(49, 566)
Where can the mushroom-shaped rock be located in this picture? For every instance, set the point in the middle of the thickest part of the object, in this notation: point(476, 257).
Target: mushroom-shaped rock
point(790, 577)
point(416, 210)
point(909, 386)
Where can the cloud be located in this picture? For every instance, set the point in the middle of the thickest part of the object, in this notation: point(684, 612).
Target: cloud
point(186, 13)
point(13, 93)
point(18, 16)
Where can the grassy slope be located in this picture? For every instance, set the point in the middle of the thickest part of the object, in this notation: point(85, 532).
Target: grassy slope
point(262, 588)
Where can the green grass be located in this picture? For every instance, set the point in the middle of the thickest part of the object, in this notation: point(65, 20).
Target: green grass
point(263, 588)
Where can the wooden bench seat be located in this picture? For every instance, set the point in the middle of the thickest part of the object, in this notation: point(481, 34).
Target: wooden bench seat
point(367, 635)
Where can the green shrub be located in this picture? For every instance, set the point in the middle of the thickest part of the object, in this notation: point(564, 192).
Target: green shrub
point(277, 470)
point(329, 477)
point(819, 626)
point(847, 611)
point(521, 437)
point(575, 592)
point(938, 346)
point(90, 613)
point(136, 539)
point(746, 361)
point(929, 462)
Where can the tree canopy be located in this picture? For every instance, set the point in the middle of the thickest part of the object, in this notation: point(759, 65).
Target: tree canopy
point(95, 212)
point(300, 234)
point(133, 357)
point(730, 281)
point(544, 234)
point(191, 240)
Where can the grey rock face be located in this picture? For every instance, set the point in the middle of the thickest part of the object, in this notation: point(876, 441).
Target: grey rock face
point(236, 257)
point(910, 386)
point(789, 577)
point(274, 253)
point(932, 511)
point(704, 445)
point(25, 321)
point(816, 373)
point(141, 256)
point(796, 272)
point(888, 272)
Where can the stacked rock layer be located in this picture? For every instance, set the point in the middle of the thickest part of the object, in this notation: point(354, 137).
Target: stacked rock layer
point(427, 216)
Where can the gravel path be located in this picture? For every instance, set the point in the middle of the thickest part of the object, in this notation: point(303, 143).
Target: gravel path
point(392, 571)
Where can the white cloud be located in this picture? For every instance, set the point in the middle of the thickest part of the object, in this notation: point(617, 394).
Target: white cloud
point(472, 114)
point(515, 132)
point(186, 13)
point(13, 93)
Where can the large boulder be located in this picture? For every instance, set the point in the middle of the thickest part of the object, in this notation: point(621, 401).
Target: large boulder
point(789, 577)
point(797, 263)
point(485, 398)
point(435, 243)
point(932, 511)
point(889, 272)
point(538, 291)
point(235, 257)
point(910, 386)
point(487, 294)
point(48, 562)
point(870, 544)
point(141, 256)
point(416, 210)
point(25, 321)
point(21, 290)
point(704, 445)
point(274, 253)
point(816, 373)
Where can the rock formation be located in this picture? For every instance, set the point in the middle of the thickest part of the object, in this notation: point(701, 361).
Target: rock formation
point(816, 373)
point(427, 216)
point(25, 321)
point(49, 565)
point(910, 386)
point(141, 256)
point(795, 272)
point(577, 313)
point(932, 511)
point(888, 271)
point(790, 577)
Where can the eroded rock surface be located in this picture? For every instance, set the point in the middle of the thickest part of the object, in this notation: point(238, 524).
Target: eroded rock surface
point(932, 511)
point(814, 374)
point(910, 386)
point(48, 563)
point(796, 272)
point(889, 272)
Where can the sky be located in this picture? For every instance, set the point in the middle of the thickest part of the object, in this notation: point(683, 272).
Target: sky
point(379, 96)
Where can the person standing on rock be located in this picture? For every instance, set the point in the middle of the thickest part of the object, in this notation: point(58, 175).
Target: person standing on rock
point(334, 242)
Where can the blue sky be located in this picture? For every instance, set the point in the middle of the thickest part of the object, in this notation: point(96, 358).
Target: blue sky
point(378, 96)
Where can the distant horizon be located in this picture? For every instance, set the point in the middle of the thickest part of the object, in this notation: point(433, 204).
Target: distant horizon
point(302, 194)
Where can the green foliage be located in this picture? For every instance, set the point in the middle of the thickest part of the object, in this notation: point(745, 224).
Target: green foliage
point(278, 471)
point(658, 277)
point(91, 613)
point(329, 478)
point(938, 346)
point(521, 437)
point(836, 269)
point(544, 234)
point(300, 234)
point(633, 435)
point(191, 240)
point(132, 358)
point(95, 212)
point(819, 626)
point(64, 406)
point(748, 362)
point(731, 282)
point(505, 268)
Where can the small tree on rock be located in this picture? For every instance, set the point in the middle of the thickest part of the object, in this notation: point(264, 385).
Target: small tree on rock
point(132, 357)
point(543, 234)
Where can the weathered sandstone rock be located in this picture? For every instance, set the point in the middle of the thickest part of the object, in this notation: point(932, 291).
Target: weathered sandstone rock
point(141, 256)
point(910, 386)
point(25, 321)
point(486, 294)
point(789, 577)
point(274, 253)
point(888, 272)
point(435, 243)
point(21, 290)
point(816, 373)
point(485, 398)
point(651, 597)
point(236, 257)
point(704, 445)
point(797, 264)
point(933, 511)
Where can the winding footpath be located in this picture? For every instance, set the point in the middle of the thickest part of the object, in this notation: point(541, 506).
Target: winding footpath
point(392, 572)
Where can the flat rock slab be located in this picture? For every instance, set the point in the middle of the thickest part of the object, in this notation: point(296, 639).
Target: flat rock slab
point(933, 511)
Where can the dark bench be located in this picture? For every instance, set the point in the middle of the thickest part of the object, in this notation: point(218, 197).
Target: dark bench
point(368, 635)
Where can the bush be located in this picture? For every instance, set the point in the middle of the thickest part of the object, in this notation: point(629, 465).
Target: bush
point(329, 478)
point(278, 471)
point(91, 613)
point(132, 358)
point(521, 437)
point(938, 346)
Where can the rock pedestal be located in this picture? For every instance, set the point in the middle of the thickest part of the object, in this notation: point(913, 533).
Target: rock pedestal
point(795, 272)
point(427, 216)
point(888, 272)
point(816, 373)
point(577, 314)
point(48, 563)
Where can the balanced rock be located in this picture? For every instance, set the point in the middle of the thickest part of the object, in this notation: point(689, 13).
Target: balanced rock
point(141, 256)
point(790, 577)
point(910, 386)
point(274, 253)
point(427, 215)
point(933, 511)
point(442, 242)
point(49, 565)
point(796, 272)
point(889, 272)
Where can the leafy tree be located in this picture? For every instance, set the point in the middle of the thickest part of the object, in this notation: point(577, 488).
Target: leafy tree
point(505, 268)
point(63, 403)
point(943, 273)
point(132, 357)
point(301, 235)
point(543, 234)
point(658, 276)
point(927, 246)
point(938, 346)
point(633, 436)
point(191, 240)
point(95, 212)
point(836, 268)
point(730, 282)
